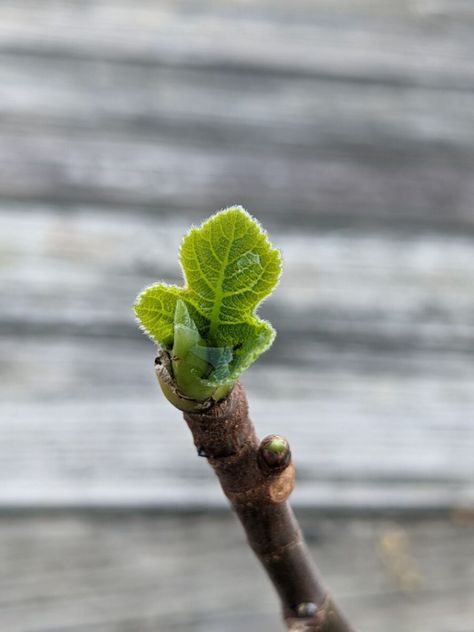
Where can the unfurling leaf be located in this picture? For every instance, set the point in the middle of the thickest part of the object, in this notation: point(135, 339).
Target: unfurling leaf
point(209, 326)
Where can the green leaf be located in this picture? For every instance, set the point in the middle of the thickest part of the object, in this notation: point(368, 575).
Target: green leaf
point(210, 324)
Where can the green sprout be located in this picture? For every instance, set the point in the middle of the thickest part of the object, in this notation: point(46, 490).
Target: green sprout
point(208, 329)
point(277, 445)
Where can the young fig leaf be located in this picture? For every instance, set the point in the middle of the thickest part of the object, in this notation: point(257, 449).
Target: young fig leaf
point(209, 326)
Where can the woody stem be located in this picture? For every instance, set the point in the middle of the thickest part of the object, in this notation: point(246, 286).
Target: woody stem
point(257, 478)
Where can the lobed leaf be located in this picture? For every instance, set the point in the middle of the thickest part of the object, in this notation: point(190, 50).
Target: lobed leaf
point(229, 267)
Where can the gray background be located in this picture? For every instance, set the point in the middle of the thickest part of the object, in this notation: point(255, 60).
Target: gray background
point(347, 129)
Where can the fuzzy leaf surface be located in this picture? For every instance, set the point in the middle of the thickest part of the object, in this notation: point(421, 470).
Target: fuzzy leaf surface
point(229, 267)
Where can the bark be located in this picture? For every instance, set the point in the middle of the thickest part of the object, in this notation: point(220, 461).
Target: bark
point(258, 481)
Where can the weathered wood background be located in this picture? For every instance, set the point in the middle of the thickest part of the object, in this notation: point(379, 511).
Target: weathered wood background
point(193, 573)
point(347, 128)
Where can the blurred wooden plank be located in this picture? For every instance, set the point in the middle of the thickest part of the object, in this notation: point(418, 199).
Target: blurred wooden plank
point(84, 424)
point(348, 129)
point(349, 114)
point(375, 345)
point(213, 107)
point(125, 173)
point(121, 572)
point(78, 274)
point(352, 41)
point(340, 155)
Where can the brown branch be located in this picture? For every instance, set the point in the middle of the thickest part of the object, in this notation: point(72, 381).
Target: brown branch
point(258, 481)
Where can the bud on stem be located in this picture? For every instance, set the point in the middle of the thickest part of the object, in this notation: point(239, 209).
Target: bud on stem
point(274, 453)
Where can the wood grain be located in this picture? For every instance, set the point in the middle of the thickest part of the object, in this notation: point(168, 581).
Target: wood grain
point(122, 572)
point(348, 129)
point(336, 116)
